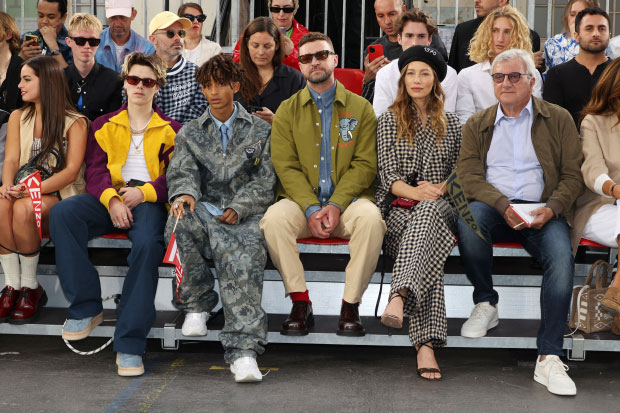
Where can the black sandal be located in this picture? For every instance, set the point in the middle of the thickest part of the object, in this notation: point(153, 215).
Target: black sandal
point(391, 320)
point(424, 370)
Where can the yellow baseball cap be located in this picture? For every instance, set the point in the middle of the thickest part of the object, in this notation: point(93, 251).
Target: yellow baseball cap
point(166, 19)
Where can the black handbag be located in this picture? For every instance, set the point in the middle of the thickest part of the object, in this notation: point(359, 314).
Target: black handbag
point(32, 165)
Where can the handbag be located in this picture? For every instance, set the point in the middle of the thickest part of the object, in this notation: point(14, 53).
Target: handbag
point(586, 314)
point(31, 166)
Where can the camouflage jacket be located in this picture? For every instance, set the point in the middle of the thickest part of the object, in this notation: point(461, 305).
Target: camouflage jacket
point(242, 178)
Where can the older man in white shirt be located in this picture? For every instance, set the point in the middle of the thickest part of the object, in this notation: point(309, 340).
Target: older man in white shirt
point(415, 28)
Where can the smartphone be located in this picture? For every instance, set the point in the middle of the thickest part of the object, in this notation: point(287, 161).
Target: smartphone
point(254, 108)
point(374, 51)
point(28, 37)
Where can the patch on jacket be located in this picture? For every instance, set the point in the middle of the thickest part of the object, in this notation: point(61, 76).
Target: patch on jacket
point(347, 125)
point(252, 150)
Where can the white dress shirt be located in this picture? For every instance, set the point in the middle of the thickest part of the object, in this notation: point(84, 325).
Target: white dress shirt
point(386, 88)
point(475, 90)
point(512, 164)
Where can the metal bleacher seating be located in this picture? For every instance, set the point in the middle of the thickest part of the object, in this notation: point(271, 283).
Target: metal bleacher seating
point(516, 276)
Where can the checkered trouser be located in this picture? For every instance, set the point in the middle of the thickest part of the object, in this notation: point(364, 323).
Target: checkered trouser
point(420, 239)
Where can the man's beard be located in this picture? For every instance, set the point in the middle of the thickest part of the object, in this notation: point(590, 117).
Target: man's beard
point(321, 78)
point(593, 49)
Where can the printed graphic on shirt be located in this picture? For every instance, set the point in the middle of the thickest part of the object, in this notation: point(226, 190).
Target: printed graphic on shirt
point(250, 150)
point(347, 125)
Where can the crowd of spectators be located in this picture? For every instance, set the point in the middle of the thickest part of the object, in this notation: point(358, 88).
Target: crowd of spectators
point(231, 158)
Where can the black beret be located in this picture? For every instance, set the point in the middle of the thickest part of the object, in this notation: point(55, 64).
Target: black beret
point(424, 54)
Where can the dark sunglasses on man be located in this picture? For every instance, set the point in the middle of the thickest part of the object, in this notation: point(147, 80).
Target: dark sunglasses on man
point(146, 81)
point(81, 41)
point(171, 33)
point(276, 9)
point(201, 17)
point(320, 55)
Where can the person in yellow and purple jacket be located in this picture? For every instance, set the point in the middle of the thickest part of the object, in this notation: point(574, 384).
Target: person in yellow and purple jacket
point(128, 152)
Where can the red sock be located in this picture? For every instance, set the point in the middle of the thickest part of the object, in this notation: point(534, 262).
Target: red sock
point(357, 304)
point(301, 297)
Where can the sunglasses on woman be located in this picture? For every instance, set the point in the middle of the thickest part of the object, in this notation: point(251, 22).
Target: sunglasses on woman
point(171, 33)
point(320, 55)
point(81, 41)
point(146, 81)
point(276, 9)
point(201, 17)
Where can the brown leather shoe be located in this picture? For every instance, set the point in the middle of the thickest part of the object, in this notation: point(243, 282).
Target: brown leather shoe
point(299, 320)
point(28, 305)
point(349, 323)
point(615, 328)
point(8, 298)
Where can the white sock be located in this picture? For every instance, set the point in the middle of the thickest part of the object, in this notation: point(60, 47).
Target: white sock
point(10, 267)
point(29, 271)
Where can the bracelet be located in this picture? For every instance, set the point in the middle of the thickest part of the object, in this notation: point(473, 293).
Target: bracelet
point(180, 200)
point(611, 190)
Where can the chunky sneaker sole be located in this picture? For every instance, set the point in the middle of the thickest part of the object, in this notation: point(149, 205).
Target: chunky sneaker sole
point(129, 371)
point(539, 378)
point(482, 332)
point(249, 377)
point(80, 335)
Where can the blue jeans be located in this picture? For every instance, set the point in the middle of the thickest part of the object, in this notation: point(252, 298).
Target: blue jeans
point(73, 222)
point(550, 245)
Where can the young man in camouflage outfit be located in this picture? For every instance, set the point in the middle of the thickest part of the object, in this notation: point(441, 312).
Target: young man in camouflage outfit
point(220, 182)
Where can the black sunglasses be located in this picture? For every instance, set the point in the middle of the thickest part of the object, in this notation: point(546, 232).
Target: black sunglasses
point(320, 55)
point(513, 77)
point(191, 17)
point(147, 82)
point(276, 9)
point(171, 33)
point(81, 41)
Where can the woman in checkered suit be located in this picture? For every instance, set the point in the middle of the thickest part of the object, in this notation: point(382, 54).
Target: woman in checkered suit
point(418, 145)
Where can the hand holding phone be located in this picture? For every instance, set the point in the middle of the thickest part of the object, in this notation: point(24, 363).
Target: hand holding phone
point(374, 51)
point(30, 47)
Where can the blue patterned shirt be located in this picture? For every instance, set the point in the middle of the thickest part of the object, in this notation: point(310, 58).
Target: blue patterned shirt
point(325, 104)
point(181, 99)
point(64, 48)
point(560, 49)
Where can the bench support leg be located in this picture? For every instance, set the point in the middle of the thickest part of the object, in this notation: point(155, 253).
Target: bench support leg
point(169, 342)
point(578, 351)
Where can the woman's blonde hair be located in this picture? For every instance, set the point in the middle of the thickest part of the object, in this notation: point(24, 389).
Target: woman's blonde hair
point(481, 45)
point(8, 26)
point(406, 113)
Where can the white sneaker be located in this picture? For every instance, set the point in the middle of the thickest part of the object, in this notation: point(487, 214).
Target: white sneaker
point(483, 318)
point(246, 370)
point(552, 373)
point(195, 324)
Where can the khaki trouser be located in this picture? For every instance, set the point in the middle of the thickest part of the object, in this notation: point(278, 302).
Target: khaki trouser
point(361, 223)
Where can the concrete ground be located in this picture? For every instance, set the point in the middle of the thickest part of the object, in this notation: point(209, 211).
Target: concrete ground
point(41, 374)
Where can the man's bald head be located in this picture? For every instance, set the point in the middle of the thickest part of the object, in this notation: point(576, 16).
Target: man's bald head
point(387, 12)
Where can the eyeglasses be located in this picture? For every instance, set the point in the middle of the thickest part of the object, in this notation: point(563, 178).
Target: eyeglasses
point(321, 55)
point(171, 33)
point(147, 82)
point(276, 9)
point(81, 41)
point(191, 17)
point(514, 77)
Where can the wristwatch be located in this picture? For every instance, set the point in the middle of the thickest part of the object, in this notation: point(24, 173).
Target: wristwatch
point(56, 52)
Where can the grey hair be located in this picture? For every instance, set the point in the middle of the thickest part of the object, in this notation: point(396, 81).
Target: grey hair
point(511, 54)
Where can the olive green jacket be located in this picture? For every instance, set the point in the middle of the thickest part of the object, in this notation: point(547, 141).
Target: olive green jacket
point(557, 146)
point(296, 149)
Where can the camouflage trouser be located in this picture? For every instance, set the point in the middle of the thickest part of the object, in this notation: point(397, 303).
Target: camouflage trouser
point(239, 254)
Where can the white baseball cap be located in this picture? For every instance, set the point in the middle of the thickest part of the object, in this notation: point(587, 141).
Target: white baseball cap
point(118, 8)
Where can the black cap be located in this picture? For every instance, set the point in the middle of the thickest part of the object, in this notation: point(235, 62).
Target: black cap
point(427, 55)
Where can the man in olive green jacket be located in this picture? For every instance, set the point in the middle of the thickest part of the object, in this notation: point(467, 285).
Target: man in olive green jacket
point(523, 153)
point(324, 153)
